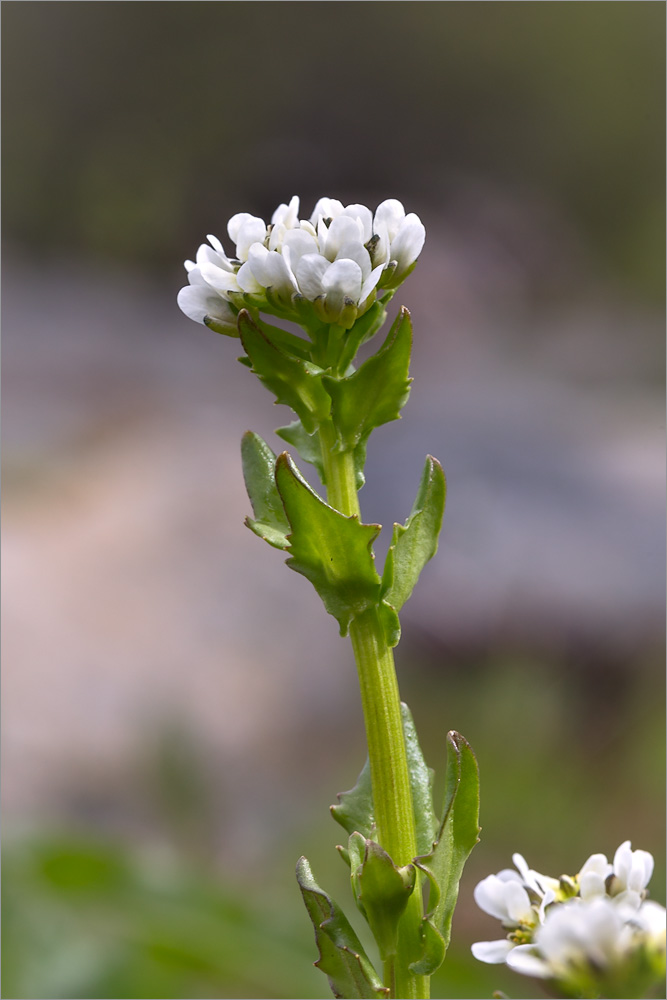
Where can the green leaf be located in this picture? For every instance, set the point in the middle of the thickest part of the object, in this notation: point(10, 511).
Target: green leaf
point(331, 550)
point(414, 543)
point(294, 382)
point(342, 957)
point(421, 785)
point(354, 811)
point(288, 342)
point(259, 472)
point(307, 445)
point(458, 834)
point(380, 889)
point(375, 393)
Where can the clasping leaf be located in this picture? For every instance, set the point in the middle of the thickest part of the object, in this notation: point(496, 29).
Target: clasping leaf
point(331, 550)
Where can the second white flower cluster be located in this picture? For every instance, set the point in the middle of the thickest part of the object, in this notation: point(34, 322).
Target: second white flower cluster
point(337, 260)
point(577, 929)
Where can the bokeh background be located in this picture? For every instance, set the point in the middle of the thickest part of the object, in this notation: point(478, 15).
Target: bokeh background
point(178, 710)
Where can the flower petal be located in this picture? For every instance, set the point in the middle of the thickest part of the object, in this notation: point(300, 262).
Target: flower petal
point(492, 952)
point(287, 215)
point(407, 245)
point(199, 301)
point(525, 958)
point(250, 231)
point(389, 213)
point(342, 280)
point(222, 281)
point(309, 271)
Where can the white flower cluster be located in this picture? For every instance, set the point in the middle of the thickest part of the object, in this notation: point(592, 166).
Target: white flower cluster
point(336, 259)
point(574, 929)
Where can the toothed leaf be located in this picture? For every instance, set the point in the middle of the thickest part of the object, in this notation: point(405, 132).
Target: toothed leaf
point(377, 391)
point(259, 472)
point(342, 957)
point(331, 550)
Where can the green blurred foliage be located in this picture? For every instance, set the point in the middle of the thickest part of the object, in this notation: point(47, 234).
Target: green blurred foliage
point(131, 129)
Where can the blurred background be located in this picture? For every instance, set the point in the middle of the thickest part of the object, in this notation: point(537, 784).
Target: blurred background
point(178, 710)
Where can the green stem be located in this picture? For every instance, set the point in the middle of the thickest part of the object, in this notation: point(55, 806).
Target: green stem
point(392, 798)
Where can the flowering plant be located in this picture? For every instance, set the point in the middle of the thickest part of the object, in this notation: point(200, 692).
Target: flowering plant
point(334, 275)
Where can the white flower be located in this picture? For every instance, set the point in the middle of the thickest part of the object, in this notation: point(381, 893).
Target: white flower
point(632, 873)
point(588, 934)
point(519, 900)
point(589, 938)
point(337, 260)
point(592, 878)
point(204, 298)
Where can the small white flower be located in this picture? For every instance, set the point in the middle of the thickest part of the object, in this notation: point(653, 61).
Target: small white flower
point(589, 938)
point(593, 876)
point(201, 302)
point(632, 873)
point(586, 934)
point(504, 897)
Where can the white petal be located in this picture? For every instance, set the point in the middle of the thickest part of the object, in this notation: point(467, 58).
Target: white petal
point(326, 208)
point(247, 280)
point(271, 269)
point(206, 254)
point(342, 230)
point(506, 900)
point(596, 863)
point(371, 282)
point(287, 215)
point(277, 236)
point(365, 218)
point(519, 908)
point(390, 213)
point(633, 869)
point(591, 884)
point(199, 301)
point(222, 281)
point(216, 244)
point(356, 251)
point(525, 959)
point(299, 242)
point(309, 273)
point(492, 952)
point(382, 244)
point(236, 221)
point(342, 280)
point(407, 245)
point(250, 231)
